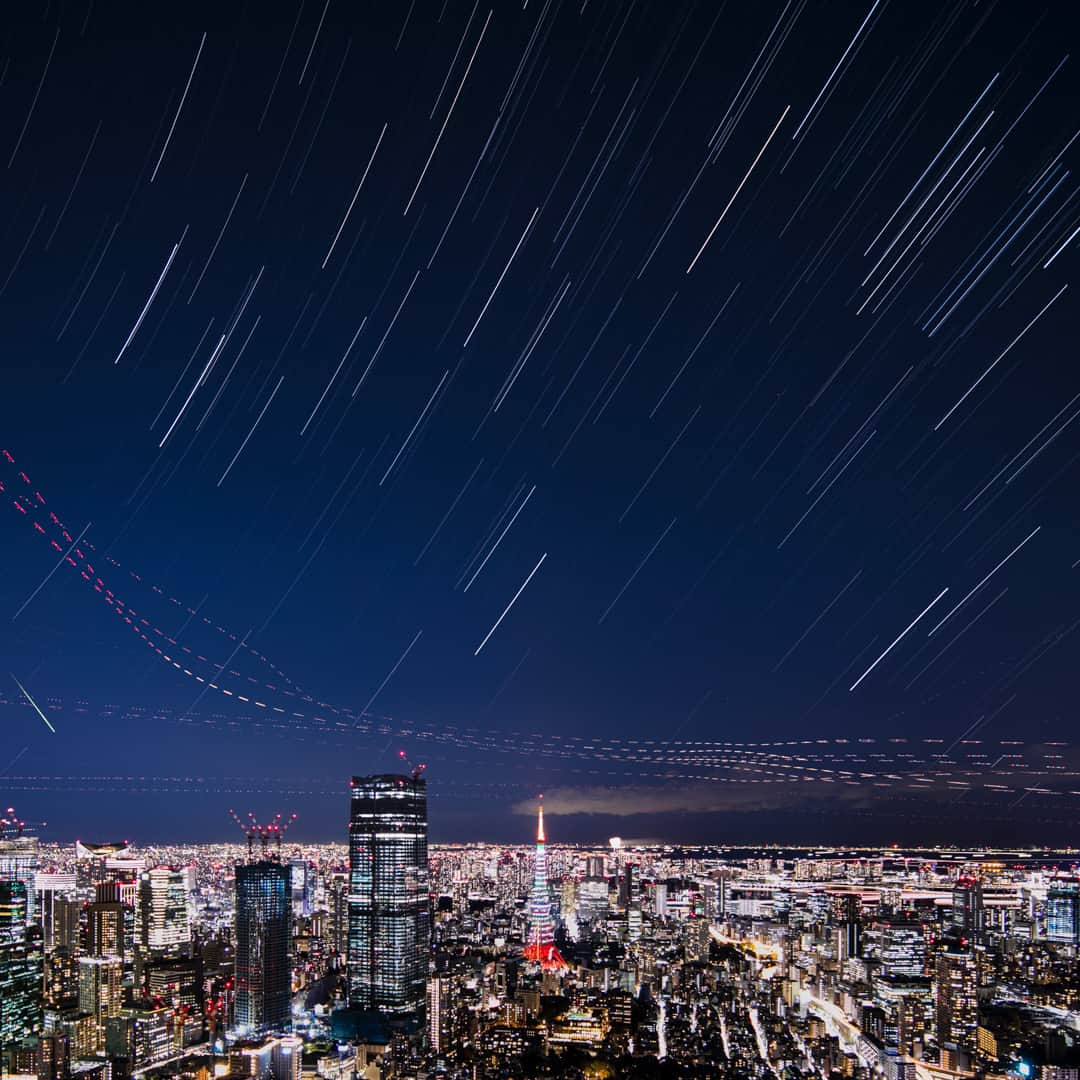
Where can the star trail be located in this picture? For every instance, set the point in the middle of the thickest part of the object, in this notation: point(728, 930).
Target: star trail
point(595, 396)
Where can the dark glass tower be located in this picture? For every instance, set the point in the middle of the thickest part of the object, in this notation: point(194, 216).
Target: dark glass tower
point(968, 907)
point(263, 972)
point(1063, 912)
point(389, 902)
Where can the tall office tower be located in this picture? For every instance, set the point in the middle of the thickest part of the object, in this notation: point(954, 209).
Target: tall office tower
point(19, 857)
point(263, 970)
point(967, 901)
point(54, 1057)
point(91, 861)
point(54, 900)
point(337, 900)
point(105, 928)
point(902, 948)
point(1063, 912)
point(61, 979)
point(845, 910)
point(594, 866)
point(20, 967)
point(592, 899)
point(540, 948)
point(100, 992)
point(389, 899)
point(302, 885)
point(627, 892)
point(956, 1003)
point(164, 915)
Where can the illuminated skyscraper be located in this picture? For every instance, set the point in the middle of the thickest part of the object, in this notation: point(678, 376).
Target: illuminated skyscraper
point(540, 948)
point(263, 971)
point(20, 967)
point(389, 900)
point(164, 916)
point(100, 992)
point(19, 857)
point(967, 900)
point(58, 909)
point(956, 1002)
point(105, 929)
point(302, 877)
point(441, 1027)
point(902, 948)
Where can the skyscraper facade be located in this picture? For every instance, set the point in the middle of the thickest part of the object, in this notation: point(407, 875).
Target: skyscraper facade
point(58, 909)
point(20, 967)
point(1063, 912)
point(263, 970)
point(967, 900)
point(164, 916)
point(19, 858)
point(956, 1001)
point(389, 899)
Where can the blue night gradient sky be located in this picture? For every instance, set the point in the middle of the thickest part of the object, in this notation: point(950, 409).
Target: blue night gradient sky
point(449, 333)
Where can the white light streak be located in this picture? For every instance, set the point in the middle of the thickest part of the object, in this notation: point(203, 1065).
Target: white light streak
point(506, 610)
point(694, 260)
point(183, 98)
point(898, 639)
point(337, 235)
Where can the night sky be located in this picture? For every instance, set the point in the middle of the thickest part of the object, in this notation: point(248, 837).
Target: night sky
point(631, 401)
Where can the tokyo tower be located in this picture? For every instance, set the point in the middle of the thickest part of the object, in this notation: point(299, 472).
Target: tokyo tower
point(541, 945)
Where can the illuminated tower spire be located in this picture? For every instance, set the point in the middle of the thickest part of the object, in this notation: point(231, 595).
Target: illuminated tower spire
point(540, 948)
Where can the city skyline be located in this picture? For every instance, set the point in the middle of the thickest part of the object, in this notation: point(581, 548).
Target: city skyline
point(381, 957)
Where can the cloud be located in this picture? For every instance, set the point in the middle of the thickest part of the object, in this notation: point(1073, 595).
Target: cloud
point(708, 798)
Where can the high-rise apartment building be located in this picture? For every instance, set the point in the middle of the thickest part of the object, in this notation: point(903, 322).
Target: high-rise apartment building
point(337, 897)
point(389, 900)
point(100, 992)
point(956, 1002)
point(263, 971)
point(441, 1029)
point(106, 936)
point(54, 1057)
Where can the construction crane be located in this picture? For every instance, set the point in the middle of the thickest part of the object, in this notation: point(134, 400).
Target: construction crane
point(265, 832)
point(12, 827)
point(415, 771)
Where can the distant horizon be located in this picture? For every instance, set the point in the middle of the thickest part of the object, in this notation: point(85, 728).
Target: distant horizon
point(628, 844)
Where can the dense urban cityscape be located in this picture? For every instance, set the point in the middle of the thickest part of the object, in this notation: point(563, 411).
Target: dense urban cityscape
point(384, 958)
point(655, 416)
